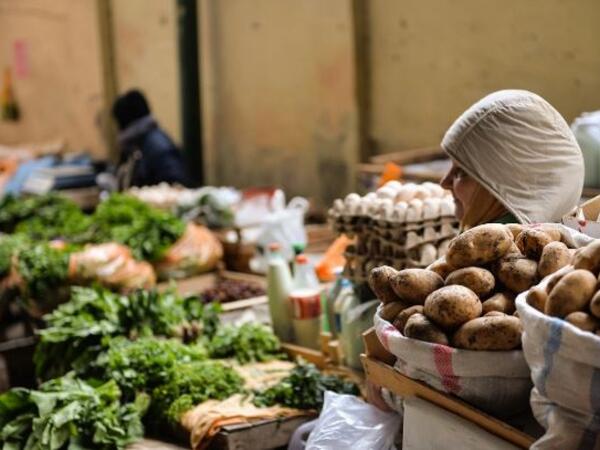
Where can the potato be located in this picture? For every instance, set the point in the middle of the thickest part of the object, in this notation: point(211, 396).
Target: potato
point(572, 293)
point(588, 257)
point(414, 285)
point(441, 267)
point(489, 333)
point(494, 313)
point(583, 321)
point(515, 229)
point(556, 277)
point(517, 272)
point(516, 314)
point(389, 311)
point(380, 283)
point(420, 327)
point(451, 306)
point(532, 241)
point(503, 302)
point(480, 281)
point(513, 250)
point(595, 305)
point(536, 298)
point(555, 256)
point(402, 317)
point(479, 245)
point(551, 230)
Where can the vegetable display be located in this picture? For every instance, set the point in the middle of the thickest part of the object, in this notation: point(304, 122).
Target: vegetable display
point(304, 388)
point(231, 290)
point(70, 413)
point(79, 330)
point(467, 298)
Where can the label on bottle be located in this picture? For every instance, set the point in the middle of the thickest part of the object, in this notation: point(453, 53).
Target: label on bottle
point(306, 303)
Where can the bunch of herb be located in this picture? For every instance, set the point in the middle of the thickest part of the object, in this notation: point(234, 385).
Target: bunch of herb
point(148, 231)
point(146, 363)
point(303, 388)
point(43, 217)
point(247, 343)
point(190, 384)
point(70, 413)
point(9, 246)
point(44, 270)
point(79, 330)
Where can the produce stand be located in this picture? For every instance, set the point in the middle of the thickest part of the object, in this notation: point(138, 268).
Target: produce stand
point(379, 370)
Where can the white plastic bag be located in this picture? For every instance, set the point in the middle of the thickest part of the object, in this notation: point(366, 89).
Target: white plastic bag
point(347, 422)
point(496, 382)
point(285, 226)
point(586, 129)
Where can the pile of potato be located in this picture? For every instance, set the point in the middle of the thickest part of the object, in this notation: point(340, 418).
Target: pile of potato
point(467, 298)
point(572, 293)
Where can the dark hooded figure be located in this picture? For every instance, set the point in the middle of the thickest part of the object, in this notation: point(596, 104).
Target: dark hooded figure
point(148, 155)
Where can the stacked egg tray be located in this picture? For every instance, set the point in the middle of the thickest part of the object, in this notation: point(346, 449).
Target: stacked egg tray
point(399, 234)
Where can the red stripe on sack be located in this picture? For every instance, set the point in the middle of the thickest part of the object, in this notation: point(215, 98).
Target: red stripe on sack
point(442, 356)
point(385, 336)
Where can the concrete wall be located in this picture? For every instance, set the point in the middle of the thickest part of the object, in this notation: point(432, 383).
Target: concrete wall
point(60, 93)
point(431, 59)
point(279, 85)
point(145, 46)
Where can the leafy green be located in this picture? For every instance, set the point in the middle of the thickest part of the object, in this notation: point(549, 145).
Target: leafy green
point(303, 388)
point(148, 231)
point(70, 413)
point(193, 383)
point(145, 364)
point(79, 330)
point(9, 246)
point(43, 268)
point(43, 217)
point(248, 343)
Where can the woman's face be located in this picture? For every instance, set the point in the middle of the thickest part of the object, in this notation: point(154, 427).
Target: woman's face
point(462, 187)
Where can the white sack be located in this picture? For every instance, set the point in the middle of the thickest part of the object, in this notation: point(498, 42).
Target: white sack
point(519, 147)
point(565, 368)
point(496, 382)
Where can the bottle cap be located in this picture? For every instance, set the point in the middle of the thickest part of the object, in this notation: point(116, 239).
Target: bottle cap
point(301, 259)
point(274, 246)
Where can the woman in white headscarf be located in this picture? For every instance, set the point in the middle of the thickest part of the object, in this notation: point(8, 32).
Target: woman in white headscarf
point(515, 159)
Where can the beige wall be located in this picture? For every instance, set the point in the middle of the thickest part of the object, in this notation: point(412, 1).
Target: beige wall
point(431, 59)
point(145, 46)
point(62, 95)
point(279, 84)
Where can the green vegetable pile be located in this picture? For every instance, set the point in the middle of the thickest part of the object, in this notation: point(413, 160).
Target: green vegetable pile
point(247, 343)
point(70, 413)
point(148, 231)
point(79, 330)
point(42, 217)
point(304, 388)
point(44, 269)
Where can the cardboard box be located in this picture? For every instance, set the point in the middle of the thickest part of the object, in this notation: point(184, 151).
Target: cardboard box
point(584, 218)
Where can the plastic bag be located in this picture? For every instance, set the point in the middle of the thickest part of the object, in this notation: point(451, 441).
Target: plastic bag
point(586, 129)
point(285, 226)
point(347, 421)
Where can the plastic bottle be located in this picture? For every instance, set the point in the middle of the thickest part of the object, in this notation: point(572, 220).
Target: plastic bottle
point(306, 303)
point(344, 294)
point(279, 286)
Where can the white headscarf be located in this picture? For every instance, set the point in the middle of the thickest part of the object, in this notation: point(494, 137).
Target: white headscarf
point(520, 148)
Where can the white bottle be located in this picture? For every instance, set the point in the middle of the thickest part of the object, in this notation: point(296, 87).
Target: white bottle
point(279, 286)
point(306, 303)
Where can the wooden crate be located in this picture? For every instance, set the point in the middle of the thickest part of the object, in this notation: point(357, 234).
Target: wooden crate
point(379, 370)
point(195, 285)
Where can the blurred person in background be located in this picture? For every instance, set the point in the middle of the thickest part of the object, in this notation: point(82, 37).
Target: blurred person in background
point(148, 156)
